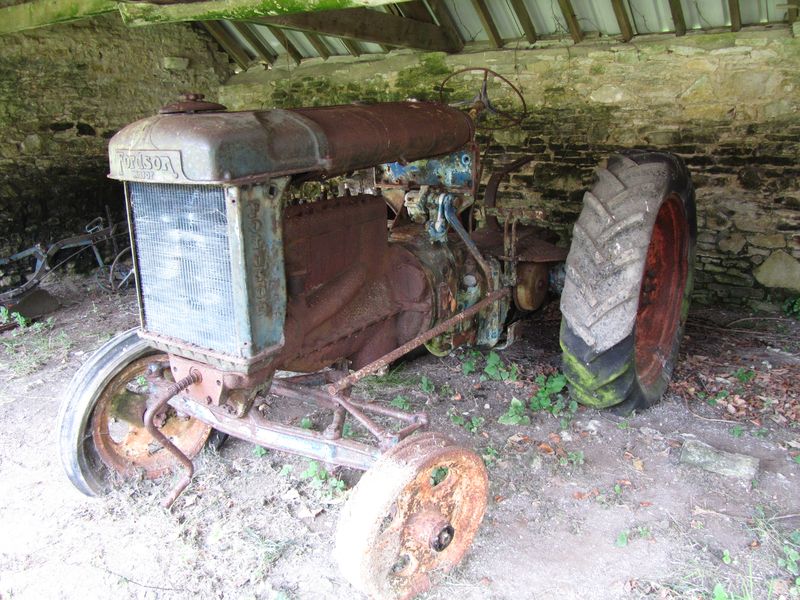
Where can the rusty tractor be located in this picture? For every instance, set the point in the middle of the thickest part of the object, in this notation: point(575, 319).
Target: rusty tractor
point(254, 280)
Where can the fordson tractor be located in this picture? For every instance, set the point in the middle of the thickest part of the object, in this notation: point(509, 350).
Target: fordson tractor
point(253, 280)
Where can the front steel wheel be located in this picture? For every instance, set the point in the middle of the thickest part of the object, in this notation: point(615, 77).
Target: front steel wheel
point(100, 423)
point(629, 281)
point(411, 517)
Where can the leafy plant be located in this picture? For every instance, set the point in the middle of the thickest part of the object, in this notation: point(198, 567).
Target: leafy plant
point(469, 365)
point(347, 431)
point(8, 317)
point(438, 475)
point(497, 371)
point(622, 539)
point(720, 593)
point(306, 423)
point(490, 454)
point(548, 398)
point(792, 307)
point(515, 415)
point(572, 458)
point(472, 424)
point(790, 560)
point(401, 402)
point(744, 375)
point(426, 385)
point(726, 557)
point(260, 451)
point(736, 431)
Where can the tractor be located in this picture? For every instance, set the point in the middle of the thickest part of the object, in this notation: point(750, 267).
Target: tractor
point(291, 253)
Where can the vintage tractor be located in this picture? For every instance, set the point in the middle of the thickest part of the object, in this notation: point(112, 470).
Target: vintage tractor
point(255, 281)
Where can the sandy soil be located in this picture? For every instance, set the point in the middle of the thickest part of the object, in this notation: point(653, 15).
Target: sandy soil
point(584, 505)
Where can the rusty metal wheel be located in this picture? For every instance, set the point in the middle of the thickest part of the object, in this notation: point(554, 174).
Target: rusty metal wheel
point(101, 432)
point(412, 517)
point(629, 281)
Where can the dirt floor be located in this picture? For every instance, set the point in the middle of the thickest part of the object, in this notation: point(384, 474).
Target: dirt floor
point(583, 504)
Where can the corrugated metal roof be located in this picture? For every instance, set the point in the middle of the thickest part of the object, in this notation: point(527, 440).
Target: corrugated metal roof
point(595, 18)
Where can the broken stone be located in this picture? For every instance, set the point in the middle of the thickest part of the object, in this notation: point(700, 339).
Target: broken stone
point(730, 464)
point(776, 240)
point(175, 63)
point(779, 271)
point(732, 244)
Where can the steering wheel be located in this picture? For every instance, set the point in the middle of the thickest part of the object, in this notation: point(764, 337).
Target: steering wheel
point(490, 114)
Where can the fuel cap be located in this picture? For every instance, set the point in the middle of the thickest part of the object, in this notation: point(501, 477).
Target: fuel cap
point(191, 103)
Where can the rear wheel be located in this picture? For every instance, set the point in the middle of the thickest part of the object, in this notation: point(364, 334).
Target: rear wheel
point(629, 281)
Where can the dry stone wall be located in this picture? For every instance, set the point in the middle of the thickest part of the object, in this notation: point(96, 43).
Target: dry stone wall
point(64, 91)
point(727, 103)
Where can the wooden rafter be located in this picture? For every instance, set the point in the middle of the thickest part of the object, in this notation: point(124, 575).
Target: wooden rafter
point(351, 47)
point(446, 22)
point(262, 50)
point(622, 18)
point(736, 15)
point(488, 23)
point(228, 43)
point(287, 44)
point(572, 21)
point(524, 18)
point(416, 10)
point(370, 26)
point(318, 45)
point(677, 17)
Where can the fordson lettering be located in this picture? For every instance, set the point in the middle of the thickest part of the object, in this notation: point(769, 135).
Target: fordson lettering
point(147, 165)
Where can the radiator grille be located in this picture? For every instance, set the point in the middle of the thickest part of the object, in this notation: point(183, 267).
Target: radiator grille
point(184, 263)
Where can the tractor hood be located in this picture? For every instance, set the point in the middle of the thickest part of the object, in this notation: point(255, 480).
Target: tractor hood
point(239, 147)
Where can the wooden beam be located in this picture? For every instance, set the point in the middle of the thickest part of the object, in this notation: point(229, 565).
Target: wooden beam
point(446, 22)
point(40, 13)
point(287, 44)
point(677, 17)
point(318, 45)
point(370, 26)
point(792, 12)
point(228, 43)
point(572, 21)
point(623, 20)
point(488, 23)
point(145, 13)
point(262, 50)
point(736, 15)
point(524, 18)
point(351, 47)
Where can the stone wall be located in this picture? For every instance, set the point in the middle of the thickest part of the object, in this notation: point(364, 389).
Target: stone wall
point(64, 91)
point(727, 103)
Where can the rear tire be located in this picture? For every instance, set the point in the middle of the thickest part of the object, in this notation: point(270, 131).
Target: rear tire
point(629, 281)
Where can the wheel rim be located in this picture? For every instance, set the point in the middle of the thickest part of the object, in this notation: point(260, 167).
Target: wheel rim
point(431, 522)
point(663, 286)
point(118, 433)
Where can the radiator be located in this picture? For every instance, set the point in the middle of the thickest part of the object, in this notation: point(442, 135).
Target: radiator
point(184, 261)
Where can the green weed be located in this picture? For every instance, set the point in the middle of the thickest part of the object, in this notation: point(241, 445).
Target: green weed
point(736, 431)
point(426, 385)
point(572, 459)
point(792, 307)
point(495, 370)
point(548, 398)
point(472, 424)
point(744, 375)
point(490, 455)
point(401, 402)
point(515, 415)
point(260, 451)
point(306, 423)
point(438, 475)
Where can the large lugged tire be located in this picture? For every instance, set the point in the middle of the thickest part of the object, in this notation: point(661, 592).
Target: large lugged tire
point(629, 281)
point(93, 443)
